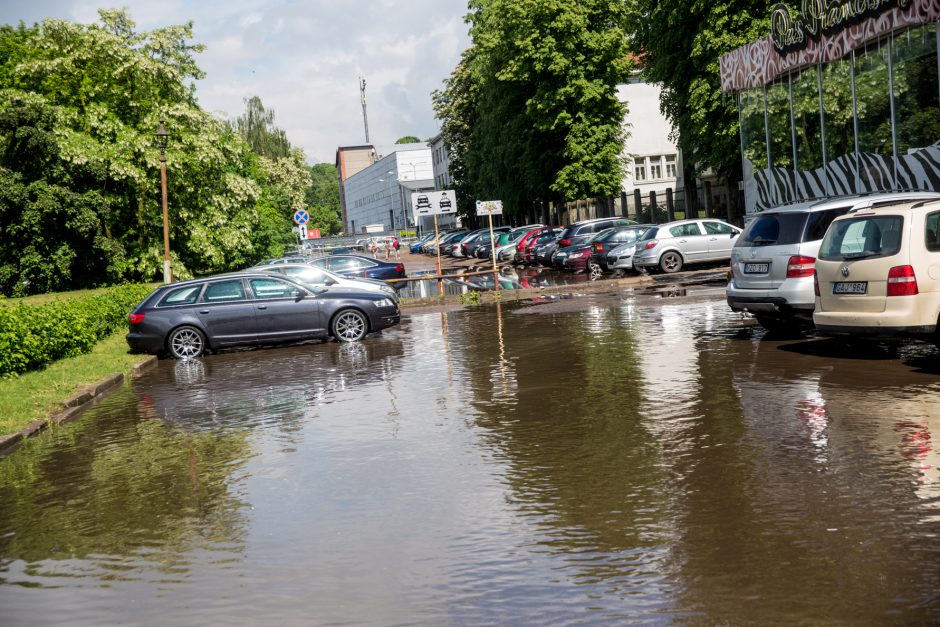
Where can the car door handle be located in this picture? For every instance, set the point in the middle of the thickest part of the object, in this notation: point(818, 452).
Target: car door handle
point(203, 311)
point(262, 306)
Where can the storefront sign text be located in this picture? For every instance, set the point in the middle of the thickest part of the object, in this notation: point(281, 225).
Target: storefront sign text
point(822, 17)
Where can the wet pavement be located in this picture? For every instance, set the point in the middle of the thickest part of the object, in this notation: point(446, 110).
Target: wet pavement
point(643, 456)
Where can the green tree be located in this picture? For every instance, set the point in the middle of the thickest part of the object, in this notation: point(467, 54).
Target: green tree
point(680, 44)
point(408, 139)
point(322, 199)
point(256, 125)
point(530, 113)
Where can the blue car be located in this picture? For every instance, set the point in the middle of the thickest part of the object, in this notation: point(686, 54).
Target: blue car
point(416, 247)
point(359, 266)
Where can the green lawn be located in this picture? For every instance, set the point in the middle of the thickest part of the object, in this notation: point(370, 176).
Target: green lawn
point(40, 394)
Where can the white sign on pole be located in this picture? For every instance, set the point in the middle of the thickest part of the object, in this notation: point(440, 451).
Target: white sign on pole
point(489, 207)
point(302, 229)
point(431, 203)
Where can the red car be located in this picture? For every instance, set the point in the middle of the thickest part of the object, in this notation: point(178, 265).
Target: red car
point(527, 242)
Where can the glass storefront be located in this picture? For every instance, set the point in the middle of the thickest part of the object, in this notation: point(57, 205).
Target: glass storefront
point(869, 121)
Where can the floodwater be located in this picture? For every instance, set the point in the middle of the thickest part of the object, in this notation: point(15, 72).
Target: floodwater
point(640, 457)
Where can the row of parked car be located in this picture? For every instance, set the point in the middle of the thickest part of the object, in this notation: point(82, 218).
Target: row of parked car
point(287, 299)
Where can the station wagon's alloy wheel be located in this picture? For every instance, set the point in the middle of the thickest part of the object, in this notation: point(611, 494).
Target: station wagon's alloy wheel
point(350, 325)
point(670, 262)
point(186, 343)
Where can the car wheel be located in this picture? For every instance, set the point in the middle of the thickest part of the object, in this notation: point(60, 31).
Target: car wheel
point(186, 343)
point(670, 262)
point(595, 271)
point(349, 325)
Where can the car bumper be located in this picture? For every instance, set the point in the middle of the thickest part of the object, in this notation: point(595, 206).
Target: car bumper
point(575, 264)
point(140, 343)
point(902, 316)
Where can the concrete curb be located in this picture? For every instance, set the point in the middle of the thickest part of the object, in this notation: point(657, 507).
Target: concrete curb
point(73, 406)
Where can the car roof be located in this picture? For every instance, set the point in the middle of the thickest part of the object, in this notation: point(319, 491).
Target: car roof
point(867, 199)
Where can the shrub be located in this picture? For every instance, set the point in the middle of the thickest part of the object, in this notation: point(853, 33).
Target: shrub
point(33, 336)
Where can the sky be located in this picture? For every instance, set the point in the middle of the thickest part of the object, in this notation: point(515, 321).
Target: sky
point(303, 58)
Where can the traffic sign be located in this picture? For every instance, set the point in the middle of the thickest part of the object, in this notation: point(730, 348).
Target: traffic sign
point(301, 217)
point(489, 207)
point(302, 229)
point(434, 203)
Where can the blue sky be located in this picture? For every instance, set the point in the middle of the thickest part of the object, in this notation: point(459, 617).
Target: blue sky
point(303, 59)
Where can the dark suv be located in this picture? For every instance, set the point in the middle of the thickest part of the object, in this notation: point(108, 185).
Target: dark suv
point(773, 261)
point(581, 231)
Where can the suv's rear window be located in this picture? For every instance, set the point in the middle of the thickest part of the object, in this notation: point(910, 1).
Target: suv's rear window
point(775, 229)
point(862, 237)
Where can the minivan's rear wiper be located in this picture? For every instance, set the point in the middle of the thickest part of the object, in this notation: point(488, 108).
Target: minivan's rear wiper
point(861, 255)
point(762, 241)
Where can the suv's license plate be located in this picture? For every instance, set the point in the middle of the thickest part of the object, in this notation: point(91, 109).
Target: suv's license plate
point(756, 268)
point(860, 287)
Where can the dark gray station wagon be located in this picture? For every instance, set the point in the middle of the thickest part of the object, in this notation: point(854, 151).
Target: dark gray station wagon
point(186, 319)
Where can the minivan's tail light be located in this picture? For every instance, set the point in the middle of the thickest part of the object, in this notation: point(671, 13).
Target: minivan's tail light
point(135, 318)
point(800, 266)
point(901, 281)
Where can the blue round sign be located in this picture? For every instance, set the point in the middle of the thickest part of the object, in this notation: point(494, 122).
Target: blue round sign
point(301, 216)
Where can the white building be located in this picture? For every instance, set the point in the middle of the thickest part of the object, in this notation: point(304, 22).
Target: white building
point(381, 193)
point(652, 157)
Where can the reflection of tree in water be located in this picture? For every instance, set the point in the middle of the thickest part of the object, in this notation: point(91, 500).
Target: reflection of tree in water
point(142, 501)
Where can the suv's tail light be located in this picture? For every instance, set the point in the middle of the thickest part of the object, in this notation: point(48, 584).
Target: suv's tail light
point(800, 266)
point(901, 281)
point(135, 318)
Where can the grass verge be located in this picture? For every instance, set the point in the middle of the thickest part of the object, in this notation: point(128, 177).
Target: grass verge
point(40, 394)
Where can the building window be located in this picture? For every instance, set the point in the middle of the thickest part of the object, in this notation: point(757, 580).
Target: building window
point(670, 166)
point(656, 168)
point(639, 169)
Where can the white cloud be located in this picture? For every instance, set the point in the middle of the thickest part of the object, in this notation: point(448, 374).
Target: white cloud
point(303, 59)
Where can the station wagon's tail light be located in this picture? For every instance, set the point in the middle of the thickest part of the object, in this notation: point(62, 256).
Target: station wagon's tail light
point(598, 247)
point(135, 318)
point(800, 266)
point(901, 281)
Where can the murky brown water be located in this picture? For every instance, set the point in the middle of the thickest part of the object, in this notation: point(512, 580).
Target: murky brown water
point(592, 460)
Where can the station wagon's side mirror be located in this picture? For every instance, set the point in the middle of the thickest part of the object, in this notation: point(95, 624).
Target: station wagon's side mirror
point(299, 294)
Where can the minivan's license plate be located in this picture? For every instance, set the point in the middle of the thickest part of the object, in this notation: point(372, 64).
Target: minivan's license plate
point(859, 287)
point(756, 268)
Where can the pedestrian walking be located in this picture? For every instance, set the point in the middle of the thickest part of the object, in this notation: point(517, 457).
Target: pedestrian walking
point(396, 246)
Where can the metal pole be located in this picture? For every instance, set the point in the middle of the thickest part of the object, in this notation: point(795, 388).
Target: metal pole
point(437, 238)
point(167, 274)
point(493, 250)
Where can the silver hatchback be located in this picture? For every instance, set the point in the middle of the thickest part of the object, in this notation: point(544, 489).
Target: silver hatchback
point(671, 246)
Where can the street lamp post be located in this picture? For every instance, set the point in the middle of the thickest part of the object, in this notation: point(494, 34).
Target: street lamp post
point(162, 134)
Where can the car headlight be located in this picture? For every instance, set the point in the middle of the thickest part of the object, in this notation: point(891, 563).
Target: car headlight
point(388, 289)
point(385, 302)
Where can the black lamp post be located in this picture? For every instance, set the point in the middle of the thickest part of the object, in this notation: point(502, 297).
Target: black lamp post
point(162, 134)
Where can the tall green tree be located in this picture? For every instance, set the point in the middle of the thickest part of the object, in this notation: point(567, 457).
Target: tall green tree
point(539, 88)
point(680, 43)
point(256, 125)
point(408, 139)
point(322, 199)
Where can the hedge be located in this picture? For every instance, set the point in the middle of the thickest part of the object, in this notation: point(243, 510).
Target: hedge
point(34, 336)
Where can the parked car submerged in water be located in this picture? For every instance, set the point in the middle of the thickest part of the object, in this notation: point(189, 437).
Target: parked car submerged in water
point(186, 319)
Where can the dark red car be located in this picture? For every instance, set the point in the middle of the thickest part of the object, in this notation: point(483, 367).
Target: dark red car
point(527, 242)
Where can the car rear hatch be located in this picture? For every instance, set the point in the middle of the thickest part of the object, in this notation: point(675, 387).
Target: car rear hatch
point(769, 245)
point(860, 262)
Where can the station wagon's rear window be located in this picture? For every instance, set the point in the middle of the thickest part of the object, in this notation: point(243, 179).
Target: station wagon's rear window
point(271, 288)
point(180, 296)
point(223, 291)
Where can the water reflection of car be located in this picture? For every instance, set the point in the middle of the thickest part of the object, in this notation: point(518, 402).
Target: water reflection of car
point(673, 245)
point(186, 319)
point(359, 266)
point(313, 276)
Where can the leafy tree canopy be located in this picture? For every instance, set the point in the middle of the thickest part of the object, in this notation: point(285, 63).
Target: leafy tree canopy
point(408, 139)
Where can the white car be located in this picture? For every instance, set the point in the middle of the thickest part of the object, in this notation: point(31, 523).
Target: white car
point(315, 276)
point(878, 273)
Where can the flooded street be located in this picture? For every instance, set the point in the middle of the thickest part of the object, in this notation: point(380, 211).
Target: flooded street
point(613, 457)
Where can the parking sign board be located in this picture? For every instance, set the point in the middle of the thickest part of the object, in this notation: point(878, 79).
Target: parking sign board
point(431, 203)
point(489, 207)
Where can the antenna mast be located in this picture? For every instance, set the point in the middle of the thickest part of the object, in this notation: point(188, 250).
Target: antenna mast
point(362, 96)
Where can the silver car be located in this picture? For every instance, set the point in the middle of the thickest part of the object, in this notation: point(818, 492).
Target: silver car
point(773, 261)
point(671, 246)
point(313, 276)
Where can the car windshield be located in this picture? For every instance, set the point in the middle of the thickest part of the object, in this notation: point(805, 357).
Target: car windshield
point(862, 237)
